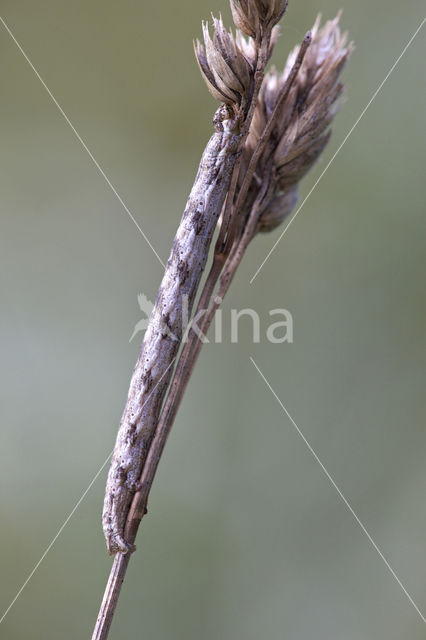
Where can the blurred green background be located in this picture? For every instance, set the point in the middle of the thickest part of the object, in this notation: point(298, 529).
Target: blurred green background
point(246, 537)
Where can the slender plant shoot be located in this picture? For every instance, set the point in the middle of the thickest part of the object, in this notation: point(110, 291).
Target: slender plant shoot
point(269, 130)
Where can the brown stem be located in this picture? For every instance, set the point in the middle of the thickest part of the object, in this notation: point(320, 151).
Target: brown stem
point(240, 221)
point(111, 595)
point(186, 365)
point(139, 502)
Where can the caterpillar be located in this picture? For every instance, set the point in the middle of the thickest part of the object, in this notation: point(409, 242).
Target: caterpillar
point(154, 367)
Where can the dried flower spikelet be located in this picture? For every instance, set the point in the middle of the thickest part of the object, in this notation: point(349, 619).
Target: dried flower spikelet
point(224, 66)
point(254, 16)
point(271, 11)
point(302, 128)
point(247, 47)
point(246, 16)
point(313, 102)
point(277, 209)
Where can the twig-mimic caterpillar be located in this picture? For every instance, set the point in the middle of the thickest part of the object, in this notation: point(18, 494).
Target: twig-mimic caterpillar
point(154, 366)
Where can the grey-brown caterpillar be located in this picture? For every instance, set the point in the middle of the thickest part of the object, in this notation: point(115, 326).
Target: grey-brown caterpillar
point(154, 366)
